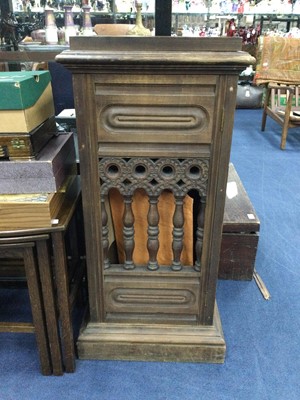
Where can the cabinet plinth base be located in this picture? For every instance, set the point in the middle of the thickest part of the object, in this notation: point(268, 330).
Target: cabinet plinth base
point(145, 342)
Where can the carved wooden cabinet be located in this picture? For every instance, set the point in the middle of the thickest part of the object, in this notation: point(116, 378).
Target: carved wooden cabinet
point(154, 114)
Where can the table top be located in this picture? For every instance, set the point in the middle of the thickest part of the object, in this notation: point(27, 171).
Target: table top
point(32, 53)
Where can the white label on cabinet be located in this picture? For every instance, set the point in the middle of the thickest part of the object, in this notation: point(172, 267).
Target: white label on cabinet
point(231, 190)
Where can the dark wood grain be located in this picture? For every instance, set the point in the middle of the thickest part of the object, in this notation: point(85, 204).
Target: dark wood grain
point(240, 236)
point(154, 114)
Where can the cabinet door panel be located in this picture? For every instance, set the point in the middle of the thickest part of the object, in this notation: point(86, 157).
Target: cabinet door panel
point(155, 110)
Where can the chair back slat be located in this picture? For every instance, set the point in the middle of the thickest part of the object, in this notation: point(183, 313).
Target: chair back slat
point(297, 96)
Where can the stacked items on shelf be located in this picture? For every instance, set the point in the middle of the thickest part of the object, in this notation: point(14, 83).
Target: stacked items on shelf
point(128, 6)
point(192, 6)
point(230, 6)
point(248, 33)
point(243, 18)
point(37, 165)
point(235, 6)
point(293, 32)
point(273, 7)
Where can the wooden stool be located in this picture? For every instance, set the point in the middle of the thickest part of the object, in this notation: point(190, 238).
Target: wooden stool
point(49, 287)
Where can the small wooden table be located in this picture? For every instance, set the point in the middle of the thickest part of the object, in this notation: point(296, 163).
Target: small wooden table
point(49, 287)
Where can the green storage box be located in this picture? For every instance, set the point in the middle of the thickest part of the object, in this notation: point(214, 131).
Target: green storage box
point(26, 100)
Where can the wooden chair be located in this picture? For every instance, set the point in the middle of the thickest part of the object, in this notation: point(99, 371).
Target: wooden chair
point(282, 105)
point(278, 69)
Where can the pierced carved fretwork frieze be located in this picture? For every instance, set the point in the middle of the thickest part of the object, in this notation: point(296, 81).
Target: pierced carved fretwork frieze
point(180, 176)
point(153, 175)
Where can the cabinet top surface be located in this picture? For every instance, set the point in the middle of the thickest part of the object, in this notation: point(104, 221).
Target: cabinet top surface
point(155, 50)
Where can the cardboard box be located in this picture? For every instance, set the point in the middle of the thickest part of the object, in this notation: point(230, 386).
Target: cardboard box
point(26, 146)
point(46, 173)
point(26, 100)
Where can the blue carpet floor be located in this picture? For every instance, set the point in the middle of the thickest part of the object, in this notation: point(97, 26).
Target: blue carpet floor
point(263, 337)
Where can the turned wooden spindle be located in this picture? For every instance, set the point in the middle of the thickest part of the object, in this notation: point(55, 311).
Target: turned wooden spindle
point(128, 232)
point(178, 232)
point(153, 232)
